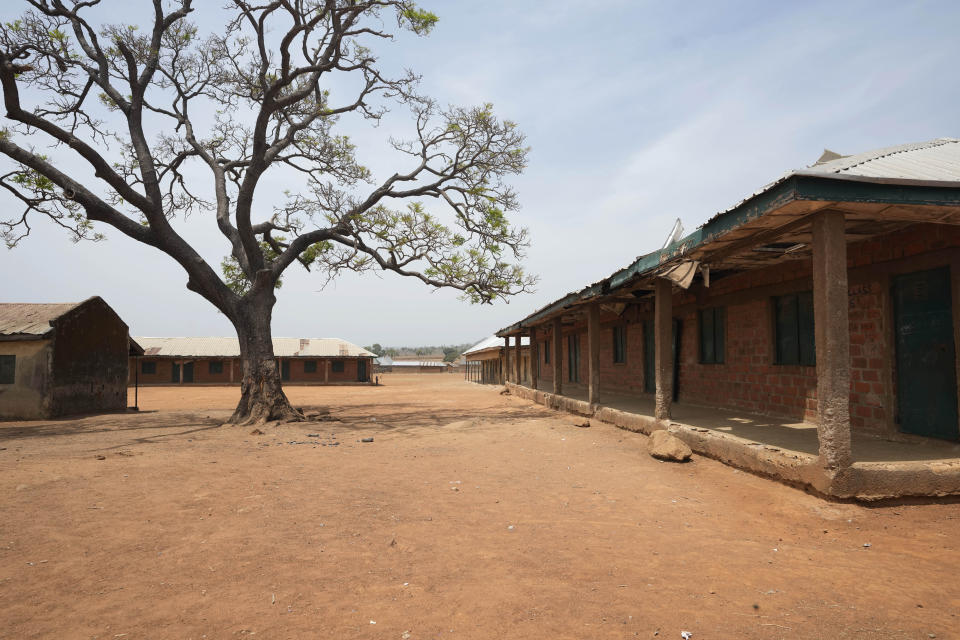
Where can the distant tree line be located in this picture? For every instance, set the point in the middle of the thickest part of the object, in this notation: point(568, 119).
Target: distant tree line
point(449, 352)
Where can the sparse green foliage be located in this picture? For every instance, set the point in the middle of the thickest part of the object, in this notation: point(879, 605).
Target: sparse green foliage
point(121, 101)
point(418, 20)
point(375, 348)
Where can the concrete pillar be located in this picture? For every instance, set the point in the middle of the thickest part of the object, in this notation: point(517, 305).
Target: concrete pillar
point(518, 360)
point(326, 370)
point(663, 349)
point(534, 359)
point(557, 356)
point(832, 335)
point(232, 360)
point(506, 360)
point(593, 353)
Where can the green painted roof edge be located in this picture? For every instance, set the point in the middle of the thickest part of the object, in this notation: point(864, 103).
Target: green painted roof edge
point(794, 186)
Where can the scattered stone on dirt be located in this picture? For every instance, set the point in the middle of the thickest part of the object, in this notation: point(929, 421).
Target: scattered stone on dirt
point(366, 439)
point(313, 435)
point(582, 425)
point(505, 392)
point(867, 545)
point(666, 446)
point(256, 432)
point(405, 635)
point(99, 457)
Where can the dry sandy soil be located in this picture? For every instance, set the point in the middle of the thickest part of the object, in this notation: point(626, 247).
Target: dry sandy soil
point(470, 515)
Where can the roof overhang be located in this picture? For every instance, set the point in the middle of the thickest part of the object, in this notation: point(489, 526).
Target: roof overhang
point(782, 208)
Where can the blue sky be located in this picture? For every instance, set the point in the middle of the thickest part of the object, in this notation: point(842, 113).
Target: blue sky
point(637, 114)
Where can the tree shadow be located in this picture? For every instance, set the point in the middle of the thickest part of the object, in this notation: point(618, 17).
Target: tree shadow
point(406, 417)
point(110, 423)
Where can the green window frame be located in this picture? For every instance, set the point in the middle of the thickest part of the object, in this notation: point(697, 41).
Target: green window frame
point(8, 369)
point(309, 366)
point(337, 366)
point(148, 368)
point(794, 342)
point(215, 367)
point(713, 329)
point(620, 344)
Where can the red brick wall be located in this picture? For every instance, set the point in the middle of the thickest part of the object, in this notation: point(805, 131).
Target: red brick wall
point(202, 375)
point(749, 379)
point(621, 376)
point(546, 369)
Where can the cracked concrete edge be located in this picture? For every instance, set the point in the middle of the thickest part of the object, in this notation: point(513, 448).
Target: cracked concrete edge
point(864, 481)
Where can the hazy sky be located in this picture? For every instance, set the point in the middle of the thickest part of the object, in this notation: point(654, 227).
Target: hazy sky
point(637, 113)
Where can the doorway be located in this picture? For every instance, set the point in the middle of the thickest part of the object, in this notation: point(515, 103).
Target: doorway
point(650, 357)
point(925, 355)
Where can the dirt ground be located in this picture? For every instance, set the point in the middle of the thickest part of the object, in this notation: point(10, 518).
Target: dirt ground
point(470, 515)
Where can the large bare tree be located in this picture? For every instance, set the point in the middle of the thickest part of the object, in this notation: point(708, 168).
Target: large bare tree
point(168, 121)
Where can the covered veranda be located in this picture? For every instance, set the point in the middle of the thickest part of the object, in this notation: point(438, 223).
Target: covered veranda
point(811, 217)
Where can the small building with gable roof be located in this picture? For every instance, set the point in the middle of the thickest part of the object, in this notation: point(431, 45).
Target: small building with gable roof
point(59, 359)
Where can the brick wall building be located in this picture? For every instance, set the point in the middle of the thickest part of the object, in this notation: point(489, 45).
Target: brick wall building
point(217, 361)
point(829, 297)
point(749, 377)
point(487, 361)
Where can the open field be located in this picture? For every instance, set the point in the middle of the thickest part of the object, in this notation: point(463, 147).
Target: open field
point(471, 515)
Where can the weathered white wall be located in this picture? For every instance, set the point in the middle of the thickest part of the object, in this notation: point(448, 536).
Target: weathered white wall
point(25, 397)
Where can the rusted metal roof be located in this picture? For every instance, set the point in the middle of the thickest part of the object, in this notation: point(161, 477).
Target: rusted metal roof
point(25, 319)
point(225, 347)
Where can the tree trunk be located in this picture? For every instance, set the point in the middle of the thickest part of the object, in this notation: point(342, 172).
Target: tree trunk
point(261, 396)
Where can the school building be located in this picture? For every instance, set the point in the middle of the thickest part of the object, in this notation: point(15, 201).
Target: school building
point(809, 333)
point(200, 360)
point(486, 361)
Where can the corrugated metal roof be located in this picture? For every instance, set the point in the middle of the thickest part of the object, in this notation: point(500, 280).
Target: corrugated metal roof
point(31, 319)
point(493, 342)
point(418, 363)
point(230, 347)
point(934, 163)
point(935, 160)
